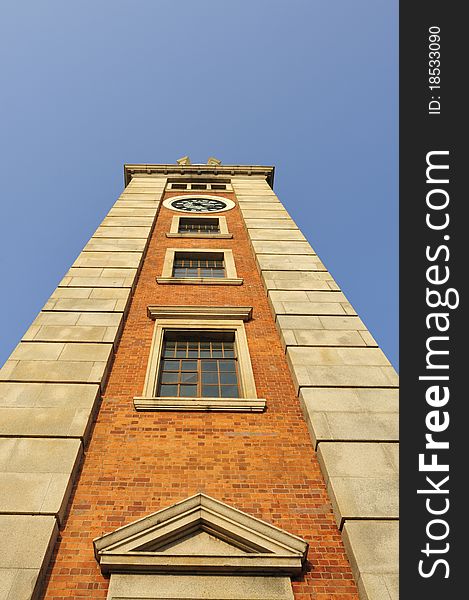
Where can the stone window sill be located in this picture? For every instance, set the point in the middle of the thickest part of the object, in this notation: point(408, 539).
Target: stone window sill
point(204, 236)
point(200, 280)
point(200, 404)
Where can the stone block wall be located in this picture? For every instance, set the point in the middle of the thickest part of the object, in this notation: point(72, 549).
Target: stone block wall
point(346, 386)
point(51, 385)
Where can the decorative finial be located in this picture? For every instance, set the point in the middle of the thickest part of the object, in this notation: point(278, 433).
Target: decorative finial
point(214, 162)
point(185, 160)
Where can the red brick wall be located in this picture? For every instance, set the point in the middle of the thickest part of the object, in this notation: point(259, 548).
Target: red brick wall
point(137, 463)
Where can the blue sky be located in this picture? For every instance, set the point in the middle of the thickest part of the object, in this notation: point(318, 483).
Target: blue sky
point(306, 85)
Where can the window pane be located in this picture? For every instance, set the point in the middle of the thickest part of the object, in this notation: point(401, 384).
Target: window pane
point(209, 365)
point(189, 378)
point(227, 365)
point(210, 391)
point(189, 365)
point(229, 391)
point(169, 377)
point(171, 365)
point(228, 378)
point(209, 377)
point(188, 390)
point(168, 390)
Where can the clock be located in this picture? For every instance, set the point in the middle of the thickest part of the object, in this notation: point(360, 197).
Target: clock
point(198, 204)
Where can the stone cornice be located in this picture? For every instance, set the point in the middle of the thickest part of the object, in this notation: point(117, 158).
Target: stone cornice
point(243, 313)
point(201, 404)
point(141, 170)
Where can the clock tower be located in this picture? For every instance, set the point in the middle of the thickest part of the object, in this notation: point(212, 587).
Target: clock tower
point(198, 411)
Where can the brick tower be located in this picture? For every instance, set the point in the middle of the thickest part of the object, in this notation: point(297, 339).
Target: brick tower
point(198, 412)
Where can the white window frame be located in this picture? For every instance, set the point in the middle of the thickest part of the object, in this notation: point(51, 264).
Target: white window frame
point(222, 224)
point(200, 318)
point(231, 277)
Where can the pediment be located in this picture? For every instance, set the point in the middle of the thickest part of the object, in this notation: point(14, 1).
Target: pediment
point(201, 543)
point(200, 534)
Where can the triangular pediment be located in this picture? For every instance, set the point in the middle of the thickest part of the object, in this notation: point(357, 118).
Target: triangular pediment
point(200, 543)
point(200, 534)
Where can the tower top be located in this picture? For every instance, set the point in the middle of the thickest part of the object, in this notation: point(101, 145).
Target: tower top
point(184, 167)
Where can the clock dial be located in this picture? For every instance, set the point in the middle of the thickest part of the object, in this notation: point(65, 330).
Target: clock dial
point(199, 204)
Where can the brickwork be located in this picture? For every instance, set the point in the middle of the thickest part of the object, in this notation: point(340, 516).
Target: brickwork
point(137, 463)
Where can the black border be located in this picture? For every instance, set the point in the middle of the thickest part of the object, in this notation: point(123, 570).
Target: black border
point(420, 133)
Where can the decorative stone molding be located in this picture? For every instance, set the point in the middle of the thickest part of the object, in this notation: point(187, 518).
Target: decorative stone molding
point(200, 312)
point(132, 171)
point(199, 281)
point(172, 541)
point(201, 404)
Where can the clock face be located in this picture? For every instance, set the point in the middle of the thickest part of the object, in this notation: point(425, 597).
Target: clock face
point(198, 204)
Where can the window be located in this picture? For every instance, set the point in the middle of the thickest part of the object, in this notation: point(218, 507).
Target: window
point(201, 184)
point(199, 227)
point(204, 266)
point(187, 225)
point(198, 364)
point(199, 360)
point(194, 265)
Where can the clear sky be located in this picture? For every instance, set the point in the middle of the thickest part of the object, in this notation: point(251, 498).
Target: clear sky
point(309, 86)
